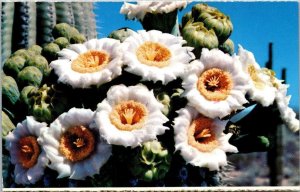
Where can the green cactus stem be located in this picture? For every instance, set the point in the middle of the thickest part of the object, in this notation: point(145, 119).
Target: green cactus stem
point(7, 18)
point(64, 13)
point(89, 20)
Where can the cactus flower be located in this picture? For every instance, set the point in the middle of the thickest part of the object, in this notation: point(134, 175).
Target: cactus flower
point(201, 140)
point(156, 56)
point(216, 85)
point(26, 152)
point(130, 116)
point(95, 62)
point(74, 146)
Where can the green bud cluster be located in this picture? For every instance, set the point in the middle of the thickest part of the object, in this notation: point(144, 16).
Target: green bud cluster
point(121, 34)
point(207, 27)
point(45, 103)
point(151, 163)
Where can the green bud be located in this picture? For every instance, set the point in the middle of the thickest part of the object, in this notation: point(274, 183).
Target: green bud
point(42, 112)
point(200, 8)
point(121, 34)
point(14, 65)
point(227, 47)
point(26, 94)
point(165, 100)
point(63, 30)
point(148, 176)
point(36, 49)
point(6, 125)
point(26, 54)
point(219, 22)
point(186, 18)
point(30, 76)
point(198, 36)
point(41, 63)
point(78, 38)
point(10, 90)
point(50, 51)
point(62, 42)
point(258, 143)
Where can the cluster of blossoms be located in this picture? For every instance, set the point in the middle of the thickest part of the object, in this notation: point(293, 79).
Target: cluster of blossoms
point(79, 142)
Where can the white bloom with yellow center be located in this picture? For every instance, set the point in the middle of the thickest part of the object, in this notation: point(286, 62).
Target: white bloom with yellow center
point(201, 140)
point(95, 62)
point(156, 56)
point(25, 151)
point(74, 146)
point(130, 116)
point(216, 84)
point(261, 87)
point(287, 114)
point(140, 9)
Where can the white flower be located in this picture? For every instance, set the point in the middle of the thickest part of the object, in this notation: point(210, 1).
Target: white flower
point(95, 62)
point(130, 116)
point(74, 146)
point(140, 9)
point(261, 86)
point(287, 114)
point(25, 151)
point(201, 140)
point(216, 85)
point(156, 56)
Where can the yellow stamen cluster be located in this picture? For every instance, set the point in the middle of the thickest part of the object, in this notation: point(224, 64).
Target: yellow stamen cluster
point(90, 61)
point(201, 135)
point(153, 54)
point(129, 115)
point(258, 82)
point(215, 84)
point(29, 151)
point(77, 143)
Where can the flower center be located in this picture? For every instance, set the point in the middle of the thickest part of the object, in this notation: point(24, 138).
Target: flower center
point(77, 143)
point(129, 115)
point(153, 54)
point(91, 61)
point(215, 84)
point(29, 151)
point(258, 82)
point(201, 135)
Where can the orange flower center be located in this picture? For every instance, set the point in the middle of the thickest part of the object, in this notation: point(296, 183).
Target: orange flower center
point(201, 135)
point(77, 143)
point(29, 151)
point(153, 54)
point(215, 84)
point(91, 61)
point(129, 115)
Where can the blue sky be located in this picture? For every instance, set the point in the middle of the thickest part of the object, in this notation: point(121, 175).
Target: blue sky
point(255, 25)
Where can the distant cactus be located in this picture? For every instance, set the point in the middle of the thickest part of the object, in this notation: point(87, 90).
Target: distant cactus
point(27, 23)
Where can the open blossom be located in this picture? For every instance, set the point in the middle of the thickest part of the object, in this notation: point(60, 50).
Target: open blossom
point(201, 140)
point(286, 113)
point(26, 152)
point(130, 116)
point(261, 87)
point(74, 146)
point(156, 56)
point(216, 84)
point(140, 9)
point(95, 62)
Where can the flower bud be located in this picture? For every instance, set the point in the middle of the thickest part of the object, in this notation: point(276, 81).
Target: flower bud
point(227, 47)
point(26, 54)
point(200, 8)
point(14, 65)
point(164, 99)
point(30, 76)
point(36, 49)
point(39, 62)
point(219, 22)
point(186, 18)
point(62, 42)
point(50, 51)
point(10, 90)
point(121, 34)
point(6, 125)
point(26, 94)
point(198, 36)
point(78, 38)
